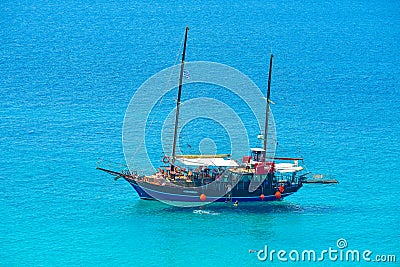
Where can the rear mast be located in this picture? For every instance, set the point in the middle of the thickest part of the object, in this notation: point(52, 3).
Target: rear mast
point(267, 109)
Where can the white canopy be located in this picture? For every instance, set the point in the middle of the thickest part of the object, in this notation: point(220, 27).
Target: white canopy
point(257, 149)
point(287, 167)
point(219, 162)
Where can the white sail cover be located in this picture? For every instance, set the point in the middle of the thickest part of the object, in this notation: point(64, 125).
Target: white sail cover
point(219, 162)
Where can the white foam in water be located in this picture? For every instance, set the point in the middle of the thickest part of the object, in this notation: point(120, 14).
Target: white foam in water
point(205, 212)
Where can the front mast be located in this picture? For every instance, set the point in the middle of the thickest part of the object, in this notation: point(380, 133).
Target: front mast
point(267, 109)
point(178, 102)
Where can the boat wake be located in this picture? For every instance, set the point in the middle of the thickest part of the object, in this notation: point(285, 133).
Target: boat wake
point(208, 212)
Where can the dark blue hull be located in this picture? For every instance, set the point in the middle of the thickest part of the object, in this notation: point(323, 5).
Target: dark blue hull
point(191, 195)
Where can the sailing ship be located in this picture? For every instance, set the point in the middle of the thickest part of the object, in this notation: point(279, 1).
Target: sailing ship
point(194, 180)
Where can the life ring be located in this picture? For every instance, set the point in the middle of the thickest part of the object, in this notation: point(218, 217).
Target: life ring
point(281, 188)
point(165, 159)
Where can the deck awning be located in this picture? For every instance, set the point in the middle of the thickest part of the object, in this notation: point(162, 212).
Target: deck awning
point(287, 167)
point(218, 162)
point(257, 149)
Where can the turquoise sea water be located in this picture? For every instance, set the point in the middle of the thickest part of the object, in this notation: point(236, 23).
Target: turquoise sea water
point(69, 69)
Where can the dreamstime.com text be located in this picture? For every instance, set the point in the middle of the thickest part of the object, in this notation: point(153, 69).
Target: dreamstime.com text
point(339, 253)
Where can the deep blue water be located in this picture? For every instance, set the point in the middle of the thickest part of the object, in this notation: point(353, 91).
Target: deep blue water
point(68, 71)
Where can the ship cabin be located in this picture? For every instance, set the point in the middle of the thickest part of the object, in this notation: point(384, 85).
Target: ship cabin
point(278, 171)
